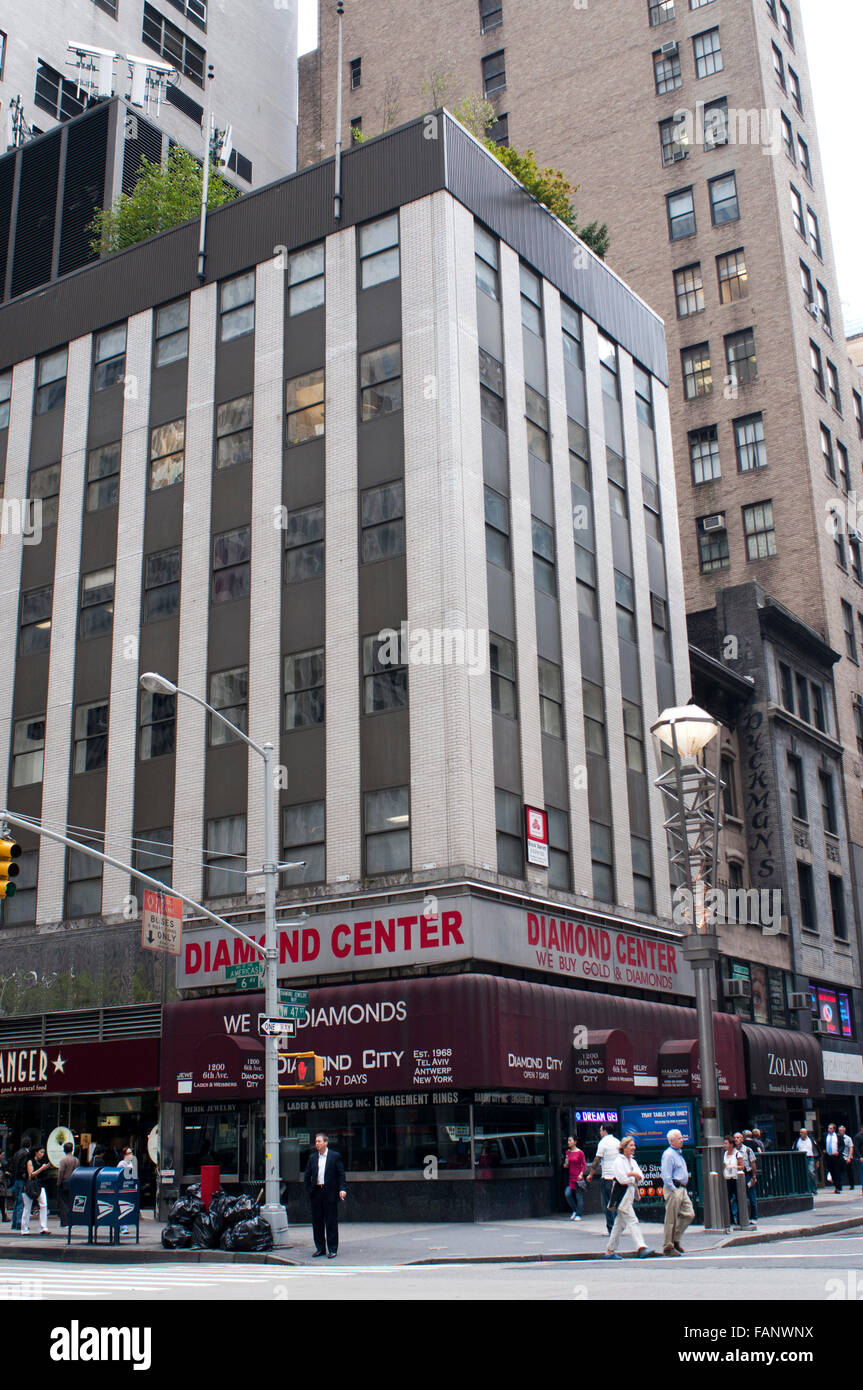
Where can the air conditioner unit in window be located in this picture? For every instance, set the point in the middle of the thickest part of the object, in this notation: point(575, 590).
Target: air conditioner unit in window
point(670, 47)
point(800, 1001)
point(713, 523)
point(738, 989)
point(818, 1026)
point(677, 155)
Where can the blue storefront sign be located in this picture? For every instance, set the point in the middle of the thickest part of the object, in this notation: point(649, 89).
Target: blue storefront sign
point(649, 1124)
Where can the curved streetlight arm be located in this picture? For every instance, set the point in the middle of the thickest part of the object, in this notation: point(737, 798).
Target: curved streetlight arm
point(179, 690)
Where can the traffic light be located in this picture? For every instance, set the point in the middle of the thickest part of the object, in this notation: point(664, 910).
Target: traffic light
point(10, 852)
point(309, 1071)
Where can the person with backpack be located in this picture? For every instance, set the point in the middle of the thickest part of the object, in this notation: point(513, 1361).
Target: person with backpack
point(19, 1173)
point(34, 1191)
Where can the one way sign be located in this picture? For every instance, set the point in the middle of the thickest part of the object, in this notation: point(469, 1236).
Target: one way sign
point(286, 1026)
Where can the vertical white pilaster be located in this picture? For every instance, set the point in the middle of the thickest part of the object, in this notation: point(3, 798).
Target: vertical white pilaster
point(14, 489)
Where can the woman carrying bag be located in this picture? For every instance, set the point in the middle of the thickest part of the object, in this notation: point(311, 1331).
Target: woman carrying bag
point(627, 1176)
point(34, 1191)
point(575, 1161)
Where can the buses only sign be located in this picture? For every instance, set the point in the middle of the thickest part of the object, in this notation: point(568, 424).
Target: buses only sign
point(162, 922)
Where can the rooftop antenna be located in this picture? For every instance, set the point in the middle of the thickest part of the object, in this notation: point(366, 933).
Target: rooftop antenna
point(94, 68)
point(337, 201)
point(18, 131)
point(218, 145)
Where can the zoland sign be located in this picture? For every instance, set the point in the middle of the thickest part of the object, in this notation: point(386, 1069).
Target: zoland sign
point(459, 928)
point(79, 1067)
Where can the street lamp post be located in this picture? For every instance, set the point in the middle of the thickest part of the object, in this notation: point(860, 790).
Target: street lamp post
point(273, 1210)
point(692, 792)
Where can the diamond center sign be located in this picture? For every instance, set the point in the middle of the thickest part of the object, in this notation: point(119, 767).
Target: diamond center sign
point(162, 922)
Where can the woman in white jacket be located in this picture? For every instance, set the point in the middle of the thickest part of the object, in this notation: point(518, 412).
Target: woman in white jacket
point(628, 1173)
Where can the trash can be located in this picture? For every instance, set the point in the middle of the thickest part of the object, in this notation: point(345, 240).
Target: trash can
point(211, 1182)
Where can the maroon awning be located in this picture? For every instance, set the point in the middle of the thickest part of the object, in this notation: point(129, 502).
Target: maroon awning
point(781, 1062)
point(604, 1063)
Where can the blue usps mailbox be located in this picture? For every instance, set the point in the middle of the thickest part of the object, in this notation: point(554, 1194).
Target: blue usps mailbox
point(129, 1213)
point(106, 1202)
point(82, 1185)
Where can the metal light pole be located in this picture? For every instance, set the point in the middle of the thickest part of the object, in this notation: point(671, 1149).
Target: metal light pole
point(692, 792)
point(273, 1210)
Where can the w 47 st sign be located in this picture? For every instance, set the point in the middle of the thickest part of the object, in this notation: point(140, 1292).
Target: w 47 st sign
point(162, 922)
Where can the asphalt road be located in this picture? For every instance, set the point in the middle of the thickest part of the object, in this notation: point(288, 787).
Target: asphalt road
point(810, 1270)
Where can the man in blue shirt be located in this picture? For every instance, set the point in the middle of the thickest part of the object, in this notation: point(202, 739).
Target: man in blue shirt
point(678, 1207)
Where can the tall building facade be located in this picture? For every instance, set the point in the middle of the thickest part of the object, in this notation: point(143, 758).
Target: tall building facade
point(688, 126)
point(254, 58)
point(399, 497)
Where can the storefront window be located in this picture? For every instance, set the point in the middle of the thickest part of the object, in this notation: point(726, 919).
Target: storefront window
point(350, 1129)
point(510, 1136)
point(211, 1136)
point(410, 1134)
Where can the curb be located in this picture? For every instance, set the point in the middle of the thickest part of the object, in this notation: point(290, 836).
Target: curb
point(794, 1232)
point(112, 1255)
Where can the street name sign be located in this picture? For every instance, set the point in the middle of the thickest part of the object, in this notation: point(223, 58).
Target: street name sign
point(247, 976)
point(293, 1003)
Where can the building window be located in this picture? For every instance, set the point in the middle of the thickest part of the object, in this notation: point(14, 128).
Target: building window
point(195, 10)
point(490, 15)
point(109, 357)
point(510, 852)
point(609, 377)
point(602, 862)
point(386, 818)
point(28, 751)
point(633, 737)
point(624, 596)
point(229, 694)
point(531, 300)
point(498, 131)
point(382, 517)
point(797, 212)
point(536, 420)
point(497, 529)
point(585, 576)
point(787, 136)
point(153, 854)
point(3, 42)
point(704, 454)
point(616, 471)
point(544, 577)
point(712, 543)
point(802, 697)
point(796, 787)
point(237, 307)
point(715, 121)
point(661, 635)
point(231, 565)
point(837, 907)
point(304, 545)
point(759, 530)
point(550, 698)
point(385, 673)
point(57, 95)
point(225, 856)
point(162, 585)
point(90, 750)
point(729, 799)
point(486, 262)
point(234, 432)
point(493, 73)
point(681, 214)
point(779, 66)
point(379, 251)
point(158, 724)
point(5, 398)
point(172, 44)
point(35, 620)
point(306, 280)
point(794, 83)
point(667, 76)
point(83, 882)
point(823, 302)
point(724, 206)
point(839, 543)
point(805, 889)
point(708, 53)
point(749, 442)
point(844, 469)
point(856, 557)
point(594, 719)
point(857, 707)
point(573, 349)
point(733, 279)
point(786, 685)
point(697, 374)
point(97, 604)
point(858, 412)
point(167, 451)
point(803, 156)
point(579, 455)
point(817, 368)
point(786, 23)
point(304, 405)
point(828, 803)
point(833, 387)
point(381, 381)
point(51, 381)
point(689, 290)
point(103, 477)
point(304, 842)
point(642, 874)
point(172, 333)
point(806, 282)
point(491, 399)
point(848, 628)
point(304, 689)
point(559, 875)
point(502, 668)
point(356, 66)
point(660, 11)
point(740, 357)
point(44, 485)
point(814, 233)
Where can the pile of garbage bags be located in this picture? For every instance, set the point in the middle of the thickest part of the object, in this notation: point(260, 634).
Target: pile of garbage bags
point(232, 1223)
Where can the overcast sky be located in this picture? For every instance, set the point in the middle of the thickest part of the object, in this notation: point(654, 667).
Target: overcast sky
point(834, 42)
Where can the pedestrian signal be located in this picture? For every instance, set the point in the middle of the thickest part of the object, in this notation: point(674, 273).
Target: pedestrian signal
point(308, 1073)
point(10, 852)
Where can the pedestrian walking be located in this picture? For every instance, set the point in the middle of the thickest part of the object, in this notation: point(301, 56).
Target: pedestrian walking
point(732, 1164)
point(325, 1184)
point(575, 1162)
point(752, 1137)
point(19, 1173)
point(846, 1149)
point(34, 1191)
point(607, 1151)
point(806, 1145)
point(679, 1211)
point(750, 1167)
point(68, 1164)
point(833, 1157)
point(126, 1161)
point(626, 1174)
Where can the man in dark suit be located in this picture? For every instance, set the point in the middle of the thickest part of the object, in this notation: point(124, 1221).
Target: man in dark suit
point(325, 1183)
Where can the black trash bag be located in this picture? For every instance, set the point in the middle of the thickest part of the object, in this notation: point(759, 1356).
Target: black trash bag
point(203, 1235)
point(242, 1209)
point(176, 1238)
point(220, 1205)
point(186, 1210)
point(248, 1236)
point(194, 1190)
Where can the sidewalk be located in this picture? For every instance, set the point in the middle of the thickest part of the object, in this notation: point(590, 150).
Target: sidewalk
point(402, 1243)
